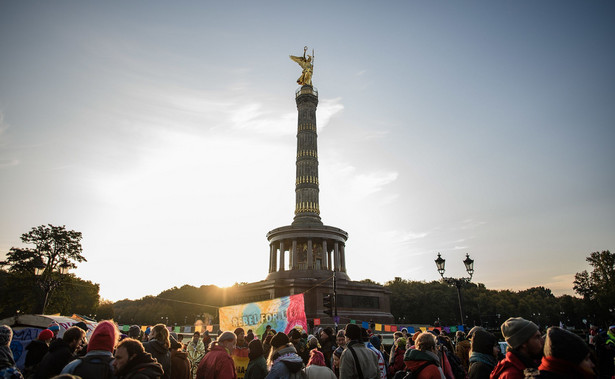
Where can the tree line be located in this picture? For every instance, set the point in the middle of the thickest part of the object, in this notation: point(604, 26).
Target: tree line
point(415, 302)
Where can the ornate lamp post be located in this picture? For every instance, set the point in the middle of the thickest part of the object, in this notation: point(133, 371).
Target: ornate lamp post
point(46, 280)
point(457, 282)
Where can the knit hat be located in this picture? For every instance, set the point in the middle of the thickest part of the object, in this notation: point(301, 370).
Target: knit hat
point(565, 345)
point(473, 330)
point(294, 334)
point(227, 336)
point(483, 342)
point(54, 327)
point(316, 358)
point(353, 332)
point(401, 342)
point(174, 344)
point(517, 331)
point(328, 331)
point(375, 341)
point(6, 335)
point(45, 335)
point(280, 339)
point(104, 337)
point(82, 326)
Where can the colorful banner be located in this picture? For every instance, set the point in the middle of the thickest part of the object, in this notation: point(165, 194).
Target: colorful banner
point(282, 314)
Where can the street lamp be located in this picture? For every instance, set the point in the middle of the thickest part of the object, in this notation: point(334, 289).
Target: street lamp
point(46, 281)
point(457, 282)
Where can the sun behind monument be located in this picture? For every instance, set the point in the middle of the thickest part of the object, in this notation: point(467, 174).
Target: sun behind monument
point(306, 256)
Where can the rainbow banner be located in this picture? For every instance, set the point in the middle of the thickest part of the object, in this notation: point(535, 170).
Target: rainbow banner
point(282, 314)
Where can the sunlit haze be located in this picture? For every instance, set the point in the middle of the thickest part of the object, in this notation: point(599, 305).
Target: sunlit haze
point(165, 132)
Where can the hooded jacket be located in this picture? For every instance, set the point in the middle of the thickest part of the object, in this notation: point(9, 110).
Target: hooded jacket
point(60, 353)
point(161, 354)
point(143, 366)
point(286, 364)
point(180, 365)
point(427, 360)
point(217, 364)
point(512, 366)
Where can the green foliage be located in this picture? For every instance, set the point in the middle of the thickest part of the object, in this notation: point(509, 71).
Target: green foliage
point(598, 286)
point(180, 305)
point(20, 292)
point(425, 303)
point(53, 246)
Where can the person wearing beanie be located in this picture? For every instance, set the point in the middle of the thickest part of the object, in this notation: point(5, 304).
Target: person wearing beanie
point(424, 361)
point(98, 362)
point(300, 345)
point(484, 355)
point(158, 346)
point(335, 359)
point(180, 365)
point(397, 363)
point(250, 336)
point(524, 351)
point(316, 367)
point(327, 344)
point(241, 338)
point(36, 350)
point(357, 357)
point(374, 344)
point(55, 328)
point(218, 364)
point(8, 369)
point(566, 356)
point(257, 367)
point(61, 351)
point(283, 358)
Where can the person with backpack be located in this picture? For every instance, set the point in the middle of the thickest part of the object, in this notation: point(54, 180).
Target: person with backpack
point(357, 361)
point(98, 362)
point(284, 361)
point(423, 361)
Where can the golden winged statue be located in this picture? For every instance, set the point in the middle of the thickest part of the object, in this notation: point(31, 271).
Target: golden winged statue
point(307, 64)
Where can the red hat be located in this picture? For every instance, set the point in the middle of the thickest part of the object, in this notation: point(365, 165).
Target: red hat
point(104, 337)
point(45, 335)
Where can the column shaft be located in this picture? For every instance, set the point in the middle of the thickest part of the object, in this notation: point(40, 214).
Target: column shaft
point(310, 256)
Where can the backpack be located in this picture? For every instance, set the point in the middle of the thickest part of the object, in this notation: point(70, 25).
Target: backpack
point(409, 374)
point(94, 367)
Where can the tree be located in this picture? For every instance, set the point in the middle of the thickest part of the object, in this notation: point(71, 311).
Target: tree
point(54, 246)
point(598, 287)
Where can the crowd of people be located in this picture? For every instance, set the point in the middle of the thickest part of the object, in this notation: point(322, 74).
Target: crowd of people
point(352, 352)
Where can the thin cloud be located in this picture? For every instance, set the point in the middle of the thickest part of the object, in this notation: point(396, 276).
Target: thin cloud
point(402, 237)
point(4, 163)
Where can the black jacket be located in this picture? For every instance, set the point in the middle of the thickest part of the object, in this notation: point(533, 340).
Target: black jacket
point(161, 354)
point(58, 356)
point(143, 366)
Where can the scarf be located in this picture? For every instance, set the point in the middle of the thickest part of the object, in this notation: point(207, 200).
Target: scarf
point(487, 359)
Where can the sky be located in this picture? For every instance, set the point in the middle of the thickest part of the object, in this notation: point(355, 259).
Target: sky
point(165, 132)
